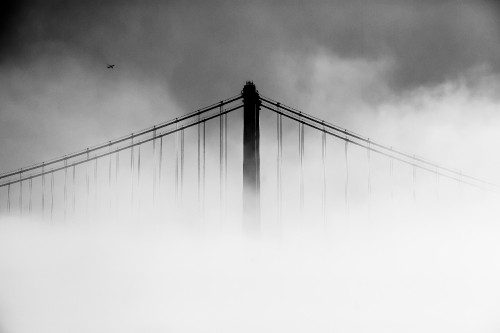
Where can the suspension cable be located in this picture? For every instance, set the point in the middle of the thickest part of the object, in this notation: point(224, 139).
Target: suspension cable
point(387, 154)
point(203, 173)
point(88, 187)
point(8, 199)
point(278, 165)
point(323, 160)
point(65, 186)
point(159, 167)
point(52, 196)
point(110, 200)
point(20, 196)
point(338, 129)
point(154, 167)
point(138, 165)
point(43, 193)
point(97, 156)
point(199, 167)
point(30, 198)
point(139, 180)
point(301, 157)
point(182, 165)
point(346, 188)
point(225, 163)
point(74, 190)
point(132, 176)
point(123, 138)
point(109, 175)
point(221, 159)
point(117, 190)
point(176, 164)
point(369, 169)
point(95, 189)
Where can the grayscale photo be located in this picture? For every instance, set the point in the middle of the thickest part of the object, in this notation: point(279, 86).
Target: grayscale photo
point(249, 166)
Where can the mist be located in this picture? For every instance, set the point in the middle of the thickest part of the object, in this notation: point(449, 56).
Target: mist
point(432, 272)
point(400, 250)
point(406, 255)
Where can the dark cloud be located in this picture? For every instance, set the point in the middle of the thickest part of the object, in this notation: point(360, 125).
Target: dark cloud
point(10, 16)
point(357, 53)
point(210, 48)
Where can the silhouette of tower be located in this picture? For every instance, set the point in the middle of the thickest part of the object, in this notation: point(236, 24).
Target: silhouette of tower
point(251, 158)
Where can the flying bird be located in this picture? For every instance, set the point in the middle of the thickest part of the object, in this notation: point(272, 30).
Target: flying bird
point(111, 66)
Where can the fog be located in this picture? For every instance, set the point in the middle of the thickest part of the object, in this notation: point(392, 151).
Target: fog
point(433, 273)
point(403, 251)
point(388, 261)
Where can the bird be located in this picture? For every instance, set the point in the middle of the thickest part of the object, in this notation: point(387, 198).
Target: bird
point(111, 66)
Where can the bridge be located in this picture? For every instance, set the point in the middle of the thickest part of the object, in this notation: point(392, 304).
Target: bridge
point(197, 167)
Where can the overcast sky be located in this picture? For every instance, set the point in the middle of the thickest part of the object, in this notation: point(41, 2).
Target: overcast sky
point(375, 67)
point(422, 76)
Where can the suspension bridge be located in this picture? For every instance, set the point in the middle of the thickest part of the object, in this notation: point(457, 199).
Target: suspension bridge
point(196, 166)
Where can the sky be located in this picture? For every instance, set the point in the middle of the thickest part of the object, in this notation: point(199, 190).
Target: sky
point(421, 76)
point(350, 62)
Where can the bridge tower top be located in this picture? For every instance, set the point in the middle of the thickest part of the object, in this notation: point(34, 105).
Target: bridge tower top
point(251, 157)
point(249, 89)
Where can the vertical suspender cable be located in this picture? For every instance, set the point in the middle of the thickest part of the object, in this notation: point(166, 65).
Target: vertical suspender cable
point(221, 158)
point(301, 150)
point(203, 172)
point(139, 179)
point(176, 162)
point(31, 191)
point(20, 195)
point(159, 167)
point(117, 166)
point(65, 186)
point(51, 196)
point(154, 166)
point(278, 163)
point(8, 199)
point(138, 165)
point(117, 190)
point(300, 170)
point(368, 152)
point(110, 200)
point(182, 165)
point(368, 156)
point(199, 166)
point(346, 193)
point(95, 188)
point(323, 160)
point(225, 162)
point(43, 191)
point(74, 189)
point(132, 175)
point(109, 170)
point(88, 185)
point(280, 155)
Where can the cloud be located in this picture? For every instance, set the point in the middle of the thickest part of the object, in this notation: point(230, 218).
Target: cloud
point(204, 50)
point(411, 73)
point(356, 59)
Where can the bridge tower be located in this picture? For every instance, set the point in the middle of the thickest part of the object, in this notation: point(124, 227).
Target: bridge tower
point(251, 158)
